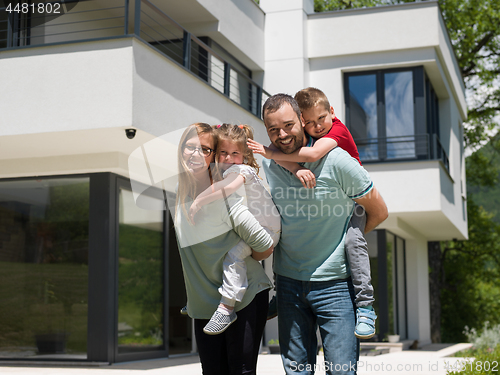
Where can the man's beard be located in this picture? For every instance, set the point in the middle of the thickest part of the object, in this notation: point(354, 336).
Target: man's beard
point(296, 143)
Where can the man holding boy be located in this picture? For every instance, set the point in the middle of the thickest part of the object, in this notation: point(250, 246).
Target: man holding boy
point(313, 283)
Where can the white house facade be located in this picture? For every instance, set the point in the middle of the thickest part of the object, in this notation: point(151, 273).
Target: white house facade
point(94, 101)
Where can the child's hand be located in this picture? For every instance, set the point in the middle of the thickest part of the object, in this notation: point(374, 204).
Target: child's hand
point(307, 178)
point(257, 148)
point(195, 207)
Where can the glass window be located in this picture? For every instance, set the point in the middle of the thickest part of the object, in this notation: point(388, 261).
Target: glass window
point(140, 276)
point(387, 112)
point(399, 115)
point(363, 114)
point(44, 230)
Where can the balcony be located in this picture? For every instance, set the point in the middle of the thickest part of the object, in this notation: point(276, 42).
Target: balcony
point(402, 148)
point(97, 20)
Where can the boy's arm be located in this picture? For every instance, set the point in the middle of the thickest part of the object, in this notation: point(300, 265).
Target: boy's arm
point(214, 192)
point(305, 176)
point(303, 155)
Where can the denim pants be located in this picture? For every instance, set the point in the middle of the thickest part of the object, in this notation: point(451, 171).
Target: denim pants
point(356, 250)
point(305, 305)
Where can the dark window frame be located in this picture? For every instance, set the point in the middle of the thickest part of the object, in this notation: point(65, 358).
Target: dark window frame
point(426, 114)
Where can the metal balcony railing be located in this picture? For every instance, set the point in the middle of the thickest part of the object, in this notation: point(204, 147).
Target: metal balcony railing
point(94, 20)
point(409, 147)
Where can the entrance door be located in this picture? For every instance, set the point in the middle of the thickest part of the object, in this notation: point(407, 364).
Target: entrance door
point(141, 323)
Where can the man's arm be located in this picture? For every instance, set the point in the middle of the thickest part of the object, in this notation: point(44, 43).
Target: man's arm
point(376, 210)
point(262, 255)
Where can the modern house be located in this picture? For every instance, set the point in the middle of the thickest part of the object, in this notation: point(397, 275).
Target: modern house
point(93, 103)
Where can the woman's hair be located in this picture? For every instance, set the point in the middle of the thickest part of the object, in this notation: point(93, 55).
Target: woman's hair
point(238, 134)
point(187, 182)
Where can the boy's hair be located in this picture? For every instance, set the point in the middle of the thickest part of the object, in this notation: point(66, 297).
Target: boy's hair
point(311, 97)
point(275, 102)
point(238, 134)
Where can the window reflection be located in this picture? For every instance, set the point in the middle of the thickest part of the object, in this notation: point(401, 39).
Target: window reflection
point(363, 114)
point(140, 276)
point(399, 114)
point(44, 268)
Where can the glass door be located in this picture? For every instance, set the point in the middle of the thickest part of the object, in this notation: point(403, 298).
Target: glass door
point(141, 278)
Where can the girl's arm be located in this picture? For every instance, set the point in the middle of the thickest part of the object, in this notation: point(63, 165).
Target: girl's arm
point(302, 155)
point(214, 192)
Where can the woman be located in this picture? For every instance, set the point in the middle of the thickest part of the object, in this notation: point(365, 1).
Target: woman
point(203, 246)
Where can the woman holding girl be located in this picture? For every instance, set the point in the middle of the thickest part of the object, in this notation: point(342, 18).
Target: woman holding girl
point(220, 225)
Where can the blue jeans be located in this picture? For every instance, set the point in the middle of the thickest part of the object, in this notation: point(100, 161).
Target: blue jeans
point(305, 305)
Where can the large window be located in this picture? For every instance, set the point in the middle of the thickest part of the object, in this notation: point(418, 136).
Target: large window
point(388, 270)
point(393, 115)
point(44, 233)
point(140, 276)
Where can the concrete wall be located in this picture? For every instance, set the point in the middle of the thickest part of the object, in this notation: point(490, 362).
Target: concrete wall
point(76, 100)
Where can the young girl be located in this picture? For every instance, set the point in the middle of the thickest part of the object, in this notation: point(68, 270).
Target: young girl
point(237, 168)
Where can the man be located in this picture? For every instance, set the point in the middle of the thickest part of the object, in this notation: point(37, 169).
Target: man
point(313, 278)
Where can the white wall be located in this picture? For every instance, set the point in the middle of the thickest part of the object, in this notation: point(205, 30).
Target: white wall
point(65, 108)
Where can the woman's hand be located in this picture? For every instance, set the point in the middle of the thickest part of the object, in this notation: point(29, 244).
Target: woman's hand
point(195, 207)
point(257, 148)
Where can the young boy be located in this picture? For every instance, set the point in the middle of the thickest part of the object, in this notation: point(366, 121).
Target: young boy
point(328, 132)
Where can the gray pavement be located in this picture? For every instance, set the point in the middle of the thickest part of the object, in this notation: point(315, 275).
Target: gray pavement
point(429, 360)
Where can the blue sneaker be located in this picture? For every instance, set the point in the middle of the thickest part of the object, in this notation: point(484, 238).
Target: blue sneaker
point(365, 322)
point(272, 310)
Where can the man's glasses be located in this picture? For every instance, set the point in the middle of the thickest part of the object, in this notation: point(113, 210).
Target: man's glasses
point(189, 150)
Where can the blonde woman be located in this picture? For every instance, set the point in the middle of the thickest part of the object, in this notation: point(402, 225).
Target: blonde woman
point(203, 246)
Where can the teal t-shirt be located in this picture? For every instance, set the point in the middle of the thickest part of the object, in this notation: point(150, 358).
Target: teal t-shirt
point(314, 221)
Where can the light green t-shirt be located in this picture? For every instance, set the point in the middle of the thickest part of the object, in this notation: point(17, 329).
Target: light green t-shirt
point(204, 245)
point(314, 221)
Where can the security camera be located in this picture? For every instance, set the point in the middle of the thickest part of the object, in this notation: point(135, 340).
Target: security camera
point(130, 133)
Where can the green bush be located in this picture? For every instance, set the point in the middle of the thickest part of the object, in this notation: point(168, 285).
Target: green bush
point(487, 361)
point(489, 338)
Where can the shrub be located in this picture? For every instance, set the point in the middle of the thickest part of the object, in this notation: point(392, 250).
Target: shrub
point(489, 338)
point(487, 361)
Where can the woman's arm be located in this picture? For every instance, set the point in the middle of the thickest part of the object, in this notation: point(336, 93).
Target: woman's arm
point(214, 192)
point(302, 155)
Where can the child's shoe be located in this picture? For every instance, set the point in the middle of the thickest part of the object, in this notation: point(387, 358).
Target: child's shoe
point(184, 310)
point(272, 310)
point(365, 322)
point(219, 322)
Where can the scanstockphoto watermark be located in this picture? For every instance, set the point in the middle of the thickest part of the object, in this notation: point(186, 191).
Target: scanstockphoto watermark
point(365, 366)
point(154, 172)
point(38, 12)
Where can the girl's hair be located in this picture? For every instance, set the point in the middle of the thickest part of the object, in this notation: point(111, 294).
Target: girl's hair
point(187, 182)
point(238, 134)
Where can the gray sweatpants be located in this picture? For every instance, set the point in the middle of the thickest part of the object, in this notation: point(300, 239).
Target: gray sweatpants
point(356, 250)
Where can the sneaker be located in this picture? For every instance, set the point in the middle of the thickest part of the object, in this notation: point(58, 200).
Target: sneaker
point(272, 310)
point(219, 323)
point(184, 310)
point(365, 322)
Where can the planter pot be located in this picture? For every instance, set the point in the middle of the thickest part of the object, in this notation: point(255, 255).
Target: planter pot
point(274, 349)
point(393, 338)
point(51, 343)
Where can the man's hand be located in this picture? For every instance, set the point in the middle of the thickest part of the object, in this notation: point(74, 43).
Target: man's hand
point(376, 210)
point(258, 256)
point(260, 149)
point(306, 177)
